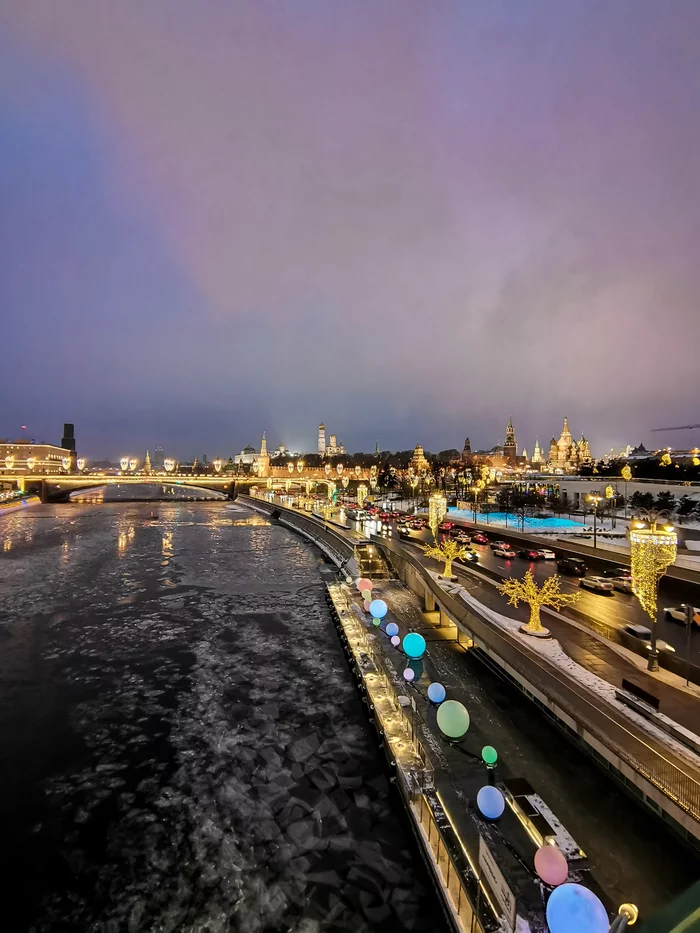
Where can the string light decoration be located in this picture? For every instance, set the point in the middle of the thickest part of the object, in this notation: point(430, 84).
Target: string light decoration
point(361, 495)
point(437, 509)
point(446, 550)
point(652, 551)
point(527, 591)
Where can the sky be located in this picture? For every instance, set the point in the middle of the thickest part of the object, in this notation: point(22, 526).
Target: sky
point(408, 220)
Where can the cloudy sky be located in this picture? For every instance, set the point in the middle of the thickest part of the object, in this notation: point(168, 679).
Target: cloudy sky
point(407, 219)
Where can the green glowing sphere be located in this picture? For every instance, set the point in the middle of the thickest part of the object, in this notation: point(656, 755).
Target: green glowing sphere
point(489, 754)
point(453, 719)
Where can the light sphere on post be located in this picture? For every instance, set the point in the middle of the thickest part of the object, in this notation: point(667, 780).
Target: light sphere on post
point(436, 692)
point(378, 608)
point(453, 719)
point(551, 865)
point(491, 802)
point(414, 645)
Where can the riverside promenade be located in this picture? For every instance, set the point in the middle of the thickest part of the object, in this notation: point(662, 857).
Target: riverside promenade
point(661, 771)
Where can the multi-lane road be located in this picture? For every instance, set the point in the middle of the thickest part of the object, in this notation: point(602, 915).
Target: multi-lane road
point(616, 610)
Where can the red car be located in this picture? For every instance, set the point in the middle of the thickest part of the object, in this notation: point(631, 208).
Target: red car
point(479, 538)
point(446, 526)
point(530, 554)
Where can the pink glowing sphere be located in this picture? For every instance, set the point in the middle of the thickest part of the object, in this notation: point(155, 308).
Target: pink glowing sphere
point(395, 640)
point(366, 605)
point(551, 865)
point(364, 584)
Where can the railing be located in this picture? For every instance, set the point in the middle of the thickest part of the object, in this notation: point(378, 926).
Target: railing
point(676, 784)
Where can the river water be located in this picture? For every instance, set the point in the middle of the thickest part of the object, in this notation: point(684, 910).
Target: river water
point(182, 746)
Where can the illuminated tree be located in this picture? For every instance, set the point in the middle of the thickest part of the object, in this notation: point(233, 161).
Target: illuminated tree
point(446, 550)
point(665, 460)
point(527, 591)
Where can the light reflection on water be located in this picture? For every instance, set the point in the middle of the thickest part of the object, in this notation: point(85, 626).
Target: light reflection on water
point(156, 751)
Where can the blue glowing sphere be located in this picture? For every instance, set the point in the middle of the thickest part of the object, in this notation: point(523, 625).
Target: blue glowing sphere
point(491, 802)
point(378, 609)
point(392, 629)
point(572, 907)
point(436, 693)
point(414, 645)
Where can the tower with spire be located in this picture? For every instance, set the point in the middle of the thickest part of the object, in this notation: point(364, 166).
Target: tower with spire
point(263, 458)
point(510, 448)
point(537, 453)
point(147, 463)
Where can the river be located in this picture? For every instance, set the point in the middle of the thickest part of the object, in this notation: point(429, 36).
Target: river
point(182, 746)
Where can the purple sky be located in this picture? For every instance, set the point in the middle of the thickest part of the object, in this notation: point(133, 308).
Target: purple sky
point(406, 219)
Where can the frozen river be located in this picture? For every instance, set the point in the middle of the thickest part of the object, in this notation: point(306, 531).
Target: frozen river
point(182, 746)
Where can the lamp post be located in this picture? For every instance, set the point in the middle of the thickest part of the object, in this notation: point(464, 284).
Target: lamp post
point(652, 550)
point(475, 490)
point(595, 500)
point(626, 475)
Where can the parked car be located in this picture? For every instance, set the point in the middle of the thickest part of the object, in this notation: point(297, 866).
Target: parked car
point(644, 635)
point(504, 551)
point(677, 613)
point(498, 544)
point(546, 554)
point(572, 565)
point(530, 554)
point(480, 538)
point(597, 584)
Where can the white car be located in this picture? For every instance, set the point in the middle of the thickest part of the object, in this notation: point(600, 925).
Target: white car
point(677, 613)
point(547, 555)
point(504, 552)
point(644, 635)
point(462, 538)
point(597, 584)
point(623, 584)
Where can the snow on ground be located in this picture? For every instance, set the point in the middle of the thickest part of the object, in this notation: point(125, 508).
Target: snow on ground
point(551, 649)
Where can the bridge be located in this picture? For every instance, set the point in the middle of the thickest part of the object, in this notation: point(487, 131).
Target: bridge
point(60, 486)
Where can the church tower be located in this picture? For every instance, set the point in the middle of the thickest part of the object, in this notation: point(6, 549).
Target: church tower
point(537, 453)
point(322, 440)
point(147, 463)
point(510, 448)
point(467, 452)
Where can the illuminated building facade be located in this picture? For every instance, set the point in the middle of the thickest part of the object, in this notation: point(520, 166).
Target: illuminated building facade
point(21, 457)
point(566, 454)
point(418, 461)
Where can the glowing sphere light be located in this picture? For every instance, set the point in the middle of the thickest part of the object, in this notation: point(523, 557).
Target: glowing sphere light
point(489, 754)
point(364, 584)
point(376, 622)
point(366, 594)
point(572, 907)
point(392, 629)
point(366, 605)
point(491, 802)
point(436, 693)
point(408, 674)
point(378, 608)
point(395, 640)
point(551, 865)
point(414, 645)
point(453, 719)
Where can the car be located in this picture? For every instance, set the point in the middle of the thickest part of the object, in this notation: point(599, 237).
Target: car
point(546, 554)
point(470, 557)
point(677, 614)
point(615, 572)
point(498, 544)
point(504, 551)
point(462, 538)
point(623, 584)
point(530, 554)
point(480, 538)
point(446, 526)
point(417, 526)
point(644, 635)
point(572, 565)
point(597, 584)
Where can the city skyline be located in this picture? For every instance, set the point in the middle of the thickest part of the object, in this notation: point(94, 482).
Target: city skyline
point(421, 218)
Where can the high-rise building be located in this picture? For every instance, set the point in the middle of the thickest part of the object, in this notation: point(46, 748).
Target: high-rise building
point(322, 439)
point(158, 459)
point(68, 439)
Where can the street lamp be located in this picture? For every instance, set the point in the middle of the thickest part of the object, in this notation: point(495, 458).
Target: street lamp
point(595, 500)
point(652, 550)
point(475, 490)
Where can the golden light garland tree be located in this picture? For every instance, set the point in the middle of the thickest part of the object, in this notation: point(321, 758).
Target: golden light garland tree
point(446, 550)
point(527, 591)
point(361, 495)
point(437, 509)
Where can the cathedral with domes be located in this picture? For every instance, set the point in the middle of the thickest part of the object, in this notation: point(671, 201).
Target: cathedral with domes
point(566, 454)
